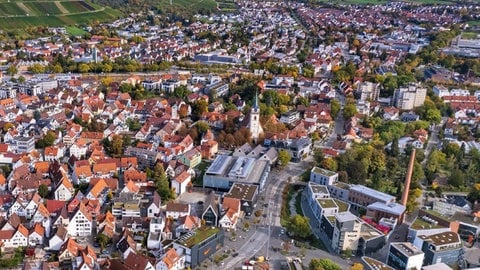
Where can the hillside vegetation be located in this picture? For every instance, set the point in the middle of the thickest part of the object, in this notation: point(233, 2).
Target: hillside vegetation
point(21, 14)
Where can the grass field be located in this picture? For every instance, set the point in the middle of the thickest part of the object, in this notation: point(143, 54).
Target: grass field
point(75, 31)
point(470, 35)
point(187, 6)
point(379, 2)
point(20, 14)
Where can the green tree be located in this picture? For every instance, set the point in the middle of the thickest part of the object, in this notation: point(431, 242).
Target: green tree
point(329, 164)
point(43, 191)
point(433, 115)
point(83, 68)
point(323, 264)
point(181, 92)
point(12, 70)
point(161, 183)
point(334, 108)
point(202, 126)
point(456, 178)
point(299, 226)
point(36, 69)
point(133, 124)
point(117, 145)
point(57, 68)
point(357, 173)
point(284, 157)
point(103, 240)
point(349, 110)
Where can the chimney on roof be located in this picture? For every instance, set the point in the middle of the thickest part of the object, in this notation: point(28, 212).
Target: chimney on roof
point(408, 178)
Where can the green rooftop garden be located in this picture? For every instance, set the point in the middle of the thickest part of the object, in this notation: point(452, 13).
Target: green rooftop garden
point(323, 171)
point(421, 224)
point(199, 236)
point(342, 206)
point(327, 203)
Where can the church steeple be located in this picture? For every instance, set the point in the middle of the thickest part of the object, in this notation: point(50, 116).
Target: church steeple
point(254, 124)
point(255, 102)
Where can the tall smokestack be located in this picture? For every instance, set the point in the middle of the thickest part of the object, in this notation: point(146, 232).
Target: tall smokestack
point(408, 179)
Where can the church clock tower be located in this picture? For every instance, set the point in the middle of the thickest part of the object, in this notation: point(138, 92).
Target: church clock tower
point(254, 123)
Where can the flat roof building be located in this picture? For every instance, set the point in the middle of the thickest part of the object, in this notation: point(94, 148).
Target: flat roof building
point(443, 247)
point(405, 256)
point(227, 170)
point(246, 193)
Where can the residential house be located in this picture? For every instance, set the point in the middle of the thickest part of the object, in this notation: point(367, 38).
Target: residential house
point(81, 222)
point(14, 238)
point(138, 262)
point(177, 210)
point(211, 210)
point(58, 238)
point(79, 148)
point(172, 260)
point(181, 182)
point(82, 172)
point(64, 191)
point(126, 245)
point(37, 235)
point(98, 191)
point(153, 208)
point(231, 213)
point(390, 113)
point(53, 153)
point(192, 157)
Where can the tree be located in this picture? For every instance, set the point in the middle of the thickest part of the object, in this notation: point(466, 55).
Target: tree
point(161, 183)
point(349, 110)
point(329, 164)
point(8, 126)
point(83, 68)
point(284, 157)
point(456, 179)
point(117, 145)
point(357, 173)
point(181, 92)
point(133, 125)
point(334, 108)
point(36, 68)
point(12, 70)
point(299, 226)
point(394, 148)
point(202, 126)
point(356, 266)
point(103, 240)
point(323, 264)
point(43, 191)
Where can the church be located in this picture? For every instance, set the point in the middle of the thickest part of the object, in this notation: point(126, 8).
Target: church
point(254, 124)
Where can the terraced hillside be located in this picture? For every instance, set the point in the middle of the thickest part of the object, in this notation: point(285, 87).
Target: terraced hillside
point(20, 14)
point(187, 7)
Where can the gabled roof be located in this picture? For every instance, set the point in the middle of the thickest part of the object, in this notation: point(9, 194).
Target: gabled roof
point(98, 188)
point(171, 257)
point(132, 188)
point(43, 211)
point(38, 228)
point(71, 246)
point(137, 261)
point(22, 230)
point(182, 177)
point(177, 207)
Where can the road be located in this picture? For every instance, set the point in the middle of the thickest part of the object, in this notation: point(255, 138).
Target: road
point(256, 243)
point(432, 144)
point(272, 196)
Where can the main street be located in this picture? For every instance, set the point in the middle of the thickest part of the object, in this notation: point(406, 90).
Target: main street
point(256, 242)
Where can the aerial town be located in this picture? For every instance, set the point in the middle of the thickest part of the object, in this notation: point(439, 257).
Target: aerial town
point(320, 135)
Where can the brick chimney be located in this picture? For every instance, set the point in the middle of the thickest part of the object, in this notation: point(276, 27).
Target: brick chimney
point(408, 178)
